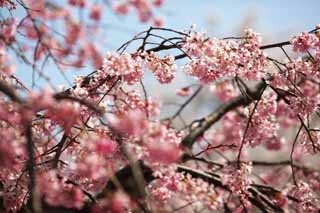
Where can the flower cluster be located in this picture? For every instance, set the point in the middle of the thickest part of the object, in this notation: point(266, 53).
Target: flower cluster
point(304, 42)
point(65, 114)
point(142, 7)
point(11, 149)
point(119, 202)
point(304, 105)
point(123, 65)
point(163, 68)
point(231, 123)
point(14, 197)
point(64, 147)
point(8, 29)
point(302, 67)
point(263, 125)
point(132, 123)
point(224, 90)
point(238, 180)
point(8, 3)
point(310, 142)
point(130, 67)
point(161, 143)
point(57, 192)
point(214, 58)
point(192, 190)
point(307, 201)
point(133, 100)
point(77, 3)
point(6, 66)
point(95, 12)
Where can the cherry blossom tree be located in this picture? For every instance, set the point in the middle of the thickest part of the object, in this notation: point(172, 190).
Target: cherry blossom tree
point(102, 145)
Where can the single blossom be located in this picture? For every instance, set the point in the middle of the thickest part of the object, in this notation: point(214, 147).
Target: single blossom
point(95, 12)
point(184, 91)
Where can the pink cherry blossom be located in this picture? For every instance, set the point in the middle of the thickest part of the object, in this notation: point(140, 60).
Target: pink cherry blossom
point(123, 65)
point(164, 152)
point(310, 142)
point(158, 22)
point(251, 142)
point(79, 3)
point(190, 189)
point(143, 8)
point(274, 143)
point(57, 193)
point(215, 58)
point(304, 42)
point(65, 114)
point(158, 2)
point(11, 149)
point(239, 181)
point(132, 123)
point(308, 203)
point(106, 146)
point(118, 203)
point(224, 90)
point(163, 68)
point(74, 31)
point(9, 28)
point(121, 8)
point(183, 92)
point(95, 12)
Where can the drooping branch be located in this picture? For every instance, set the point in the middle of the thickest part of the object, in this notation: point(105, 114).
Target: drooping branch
point(257, 198)
point(125, 178)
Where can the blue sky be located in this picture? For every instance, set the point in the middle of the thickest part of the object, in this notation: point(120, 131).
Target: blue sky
point(272, 16)
point(273, 19)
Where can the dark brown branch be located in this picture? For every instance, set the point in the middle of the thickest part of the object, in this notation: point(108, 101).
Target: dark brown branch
point(9, 91)
point(291, 154)
point(61, 96)
point(217, 114)
point(216, 181)
point(59, 150)
point(34, 200)
point(269, 46)
point(186, 157)
point(127, 182)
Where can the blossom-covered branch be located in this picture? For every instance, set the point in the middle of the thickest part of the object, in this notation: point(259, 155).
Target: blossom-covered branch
point(106, 145)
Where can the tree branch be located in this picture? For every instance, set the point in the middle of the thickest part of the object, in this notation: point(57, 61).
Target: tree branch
point(206, 122)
